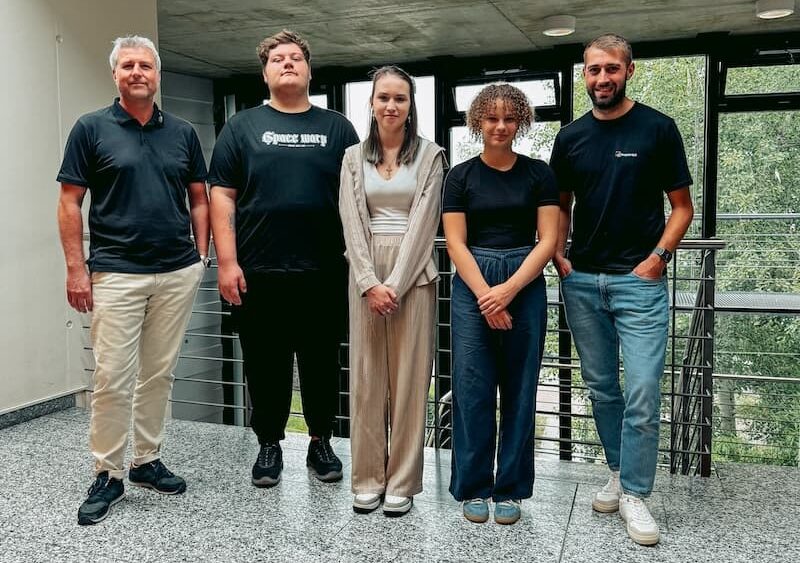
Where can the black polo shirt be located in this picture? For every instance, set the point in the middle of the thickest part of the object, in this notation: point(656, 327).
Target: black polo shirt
point(138, 177)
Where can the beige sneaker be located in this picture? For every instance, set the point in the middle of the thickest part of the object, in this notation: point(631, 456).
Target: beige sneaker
point(642, 528)
point(396, 506)
point(607, 498)
point(365, 503)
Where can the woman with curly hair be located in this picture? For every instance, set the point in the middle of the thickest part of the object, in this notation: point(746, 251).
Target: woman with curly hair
point(496, 205)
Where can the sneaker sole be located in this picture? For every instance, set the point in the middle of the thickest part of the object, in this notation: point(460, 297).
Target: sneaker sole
point(366, 508)
point(395, 511)
point(89, 521)
point(330, 477)
point(265, 482)
point(145, 485)
point(477, 519)
point(605, 507)
point(506, 521)
point(643, 539)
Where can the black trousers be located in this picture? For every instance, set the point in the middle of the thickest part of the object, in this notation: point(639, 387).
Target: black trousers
point(288, 314)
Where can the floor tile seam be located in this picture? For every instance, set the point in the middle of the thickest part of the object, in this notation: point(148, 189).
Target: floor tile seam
point(566, 527)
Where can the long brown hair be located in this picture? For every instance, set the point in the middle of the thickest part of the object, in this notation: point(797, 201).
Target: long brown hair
point(373, 149)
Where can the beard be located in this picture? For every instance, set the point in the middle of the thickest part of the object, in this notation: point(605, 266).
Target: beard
point(611, 102)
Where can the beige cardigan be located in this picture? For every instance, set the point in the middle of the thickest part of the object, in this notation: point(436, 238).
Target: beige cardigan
point(416, 263)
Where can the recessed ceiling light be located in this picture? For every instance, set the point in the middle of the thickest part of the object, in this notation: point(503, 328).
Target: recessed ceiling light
point(559, 26)
point(773, 9)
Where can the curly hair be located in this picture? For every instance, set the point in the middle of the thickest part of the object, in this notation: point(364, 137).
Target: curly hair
point(283, 37)
point(514, 99)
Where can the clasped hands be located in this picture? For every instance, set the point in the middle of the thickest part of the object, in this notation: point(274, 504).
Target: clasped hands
point(493, 304)
point(382, 300)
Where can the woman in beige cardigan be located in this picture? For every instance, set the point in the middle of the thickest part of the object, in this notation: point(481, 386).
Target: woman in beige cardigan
point(389, 202)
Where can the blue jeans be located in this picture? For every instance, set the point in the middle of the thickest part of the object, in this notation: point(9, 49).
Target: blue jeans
point(606, 312)
point(483, 361)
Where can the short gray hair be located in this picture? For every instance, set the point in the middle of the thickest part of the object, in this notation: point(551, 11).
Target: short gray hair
point(133, 42)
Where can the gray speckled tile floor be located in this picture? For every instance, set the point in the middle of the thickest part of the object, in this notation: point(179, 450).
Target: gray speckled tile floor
point(744, 513)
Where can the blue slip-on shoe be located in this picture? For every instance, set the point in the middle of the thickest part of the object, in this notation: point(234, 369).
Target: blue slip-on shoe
point(507, 511)
point(476, 510)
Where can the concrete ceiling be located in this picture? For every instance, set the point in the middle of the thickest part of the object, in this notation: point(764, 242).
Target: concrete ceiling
point(218, 38)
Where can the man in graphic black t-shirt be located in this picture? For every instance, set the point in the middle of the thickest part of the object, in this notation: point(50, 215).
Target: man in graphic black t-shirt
point(140, 165)
point(617, 161)
point(274, 213)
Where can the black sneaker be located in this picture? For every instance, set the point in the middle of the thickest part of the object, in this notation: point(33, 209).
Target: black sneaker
point(268, 466)
point(156, 476)
point(103, 494)
point(323, 462)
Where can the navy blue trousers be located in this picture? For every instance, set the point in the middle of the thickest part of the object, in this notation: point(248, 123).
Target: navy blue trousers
point(485, 360)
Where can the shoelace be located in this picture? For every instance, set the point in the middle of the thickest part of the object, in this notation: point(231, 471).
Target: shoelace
point(324, 450)
point(161, 470)
point(99, 483)
point(475, 501)
point(640, 511)
point(267, 455)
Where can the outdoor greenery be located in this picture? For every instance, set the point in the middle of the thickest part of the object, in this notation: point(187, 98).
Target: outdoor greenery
point(754, 420)
point(759, 173)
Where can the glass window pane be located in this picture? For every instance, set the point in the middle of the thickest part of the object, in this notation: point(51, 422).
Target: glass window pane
point(357, 109)
point(319, 100)
point(538, 143)
point(763, 79)
point(759, 201)
point(539, 92)
point(755, 420)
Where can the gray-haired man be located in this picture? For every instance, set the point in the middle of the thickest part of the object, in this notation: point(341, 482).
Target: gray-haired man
point(139, 164)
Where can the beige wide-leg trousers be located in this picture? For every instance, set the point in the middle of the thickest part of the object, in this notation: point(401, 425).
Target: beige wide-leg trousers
point(138, 322)
point(390, 369)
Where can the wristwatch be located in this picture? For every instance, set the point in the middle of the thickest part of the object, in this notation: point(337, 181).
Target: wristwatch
point(205, 260)
point(663, 253)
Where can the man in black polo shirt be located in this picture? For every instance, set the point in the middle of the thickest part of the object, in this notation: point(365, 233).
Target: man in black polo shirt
point(618, 160)
point(274, 212)
point(139, 164)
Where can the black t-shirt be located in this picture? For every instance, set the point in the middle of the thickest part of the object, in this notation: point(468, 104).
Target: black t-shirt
point(618, 170)
point(500, 206)
point(285, 168)
point(137, 175)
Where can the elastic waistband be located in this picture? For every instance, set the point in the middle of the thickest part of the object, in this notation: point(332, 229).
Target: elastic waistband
point(500, 253)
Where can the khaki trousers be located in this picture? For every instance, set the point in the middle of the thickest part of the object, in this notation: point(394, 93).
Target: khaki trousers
point(390, 369)
point(138, 323)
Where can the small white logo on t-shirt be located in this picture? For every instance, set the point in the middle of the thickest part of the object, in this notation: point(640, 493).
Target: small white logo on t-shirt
point(303, 140)
point(620, 154)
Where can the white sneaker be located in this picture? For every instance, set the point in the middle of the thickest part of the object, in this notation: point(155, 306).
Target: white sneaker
point(396, 506)
point(365, 503)
point(607, 498)
point(642, 528)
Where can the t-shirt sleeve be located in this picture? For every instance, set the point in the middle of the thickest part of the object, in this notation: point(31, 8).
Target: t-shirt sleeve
point(226, 161)
point(78, 156)
point(197, 164)
point(560, 166)
point(548, 190)
point(350, 135)
point(455, 197)
point(674, 168)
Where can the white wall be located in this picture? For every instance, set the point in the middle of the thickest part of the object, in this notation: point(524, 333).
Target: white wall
point(55, 59)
